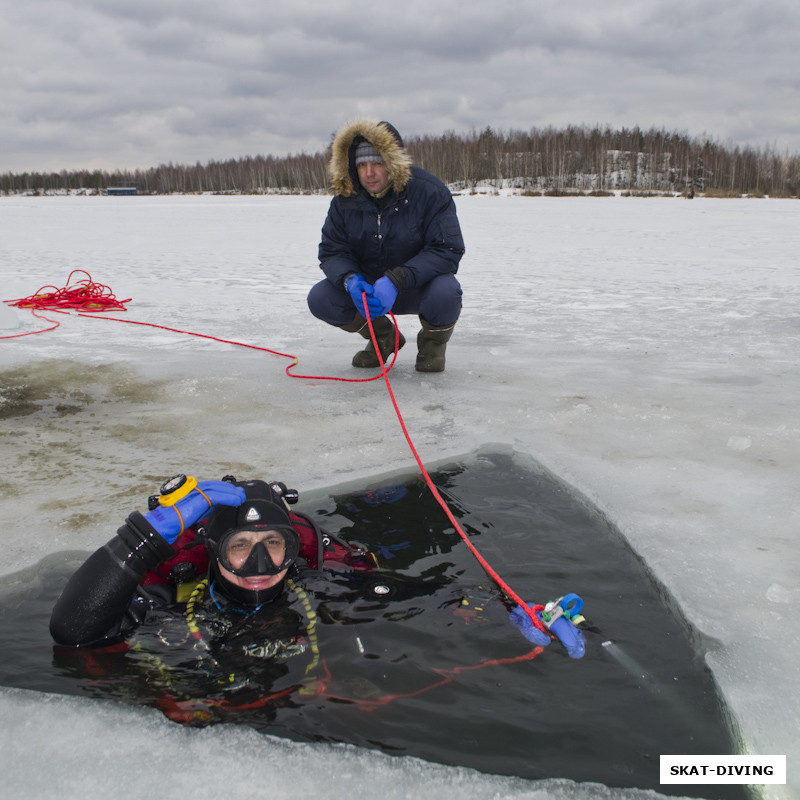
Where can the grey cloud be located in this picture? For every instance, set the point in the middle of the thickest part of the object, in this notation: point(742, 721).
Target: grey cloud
point(98, 83)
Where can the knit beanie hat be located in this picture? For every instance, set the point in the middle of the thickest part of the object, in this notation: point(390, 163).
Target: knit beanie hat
point(366, 152)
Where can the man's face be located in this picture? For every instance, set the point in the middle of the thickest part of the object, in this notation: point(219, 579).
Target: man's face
point(236, 549)
point(374, 176)
point(238, 546)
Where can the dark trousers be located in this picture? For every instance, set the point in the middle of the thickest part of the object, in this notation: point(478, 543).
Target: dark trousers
point(438, 302)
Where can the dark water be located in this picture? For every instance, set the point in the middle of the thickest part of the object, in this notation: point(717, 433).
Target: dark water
point(438, 672)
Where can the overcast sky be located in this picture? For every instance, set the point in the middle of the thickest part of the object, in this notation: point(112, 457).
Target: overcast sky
point(111, 84)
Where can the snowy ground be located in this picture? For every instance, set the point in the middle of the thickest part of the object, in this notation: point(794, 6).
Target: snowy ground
point(645, 350)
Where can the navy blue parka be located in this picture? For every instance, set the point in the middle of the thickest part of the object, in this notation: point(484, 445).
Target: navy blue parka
point(416, 229)
point(413, 227)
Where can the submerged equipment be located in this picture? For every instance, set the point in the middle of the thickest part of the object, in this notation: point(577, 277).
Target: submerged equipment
point(560, 618)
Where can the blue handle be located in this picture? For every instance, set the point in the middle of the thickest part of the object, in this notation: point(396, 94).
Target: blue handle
point(575, 608)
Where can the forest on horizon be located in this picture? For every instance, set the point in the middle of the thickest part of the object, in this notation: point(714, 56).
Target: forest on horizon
point(571, 160)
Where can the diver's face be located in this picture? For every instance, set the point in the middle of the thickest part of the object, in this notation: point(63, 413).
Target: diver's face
point(235, 551)
point(374, 176)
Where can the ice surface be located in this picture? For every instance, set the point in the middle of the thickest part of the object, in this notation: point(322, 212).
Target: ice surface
point(646, 351)
point(95, 749)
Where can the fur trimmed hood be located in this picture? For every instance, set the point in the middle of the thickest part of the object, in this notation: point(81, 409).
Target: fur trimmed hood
point(384, 138)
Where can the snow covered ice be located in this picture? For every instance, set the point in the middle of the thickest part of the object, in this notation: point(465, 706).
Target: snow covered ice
point(645, 351)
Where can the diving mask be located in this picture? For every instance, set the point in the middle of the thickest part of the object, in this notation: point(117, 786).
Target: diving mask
point(248, 552)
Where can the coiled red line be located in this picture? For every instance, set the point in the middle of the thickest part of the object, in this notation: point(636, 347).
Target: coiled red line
point(84, 295)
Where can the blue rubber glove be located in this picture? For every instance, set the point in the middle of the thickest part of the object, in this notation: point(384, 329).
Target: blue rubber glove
point(519, 618)
point(356, 285)
point(171, 521)
point(384, 293)
point(570, 636)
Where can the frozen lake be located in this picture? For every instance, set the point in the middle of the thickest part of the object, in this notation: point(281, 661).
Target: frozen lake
point(645, 351)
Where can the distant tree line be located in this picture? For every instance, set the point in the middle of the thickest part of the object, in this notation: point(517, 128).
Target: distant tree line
point(573, 159)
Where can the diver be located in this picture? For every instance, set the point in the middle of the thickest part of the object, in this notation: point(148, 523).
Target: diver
point(216, 571)
point(220, 587)
point(216, 594)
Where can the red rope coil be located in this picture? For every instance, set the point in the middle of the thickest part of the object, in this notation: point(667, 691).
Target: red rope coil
point(85, 295)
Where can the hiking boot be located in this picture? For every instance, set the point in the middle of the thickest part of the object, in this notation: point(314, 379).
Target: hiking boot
point(431, 346)
point(385, 336)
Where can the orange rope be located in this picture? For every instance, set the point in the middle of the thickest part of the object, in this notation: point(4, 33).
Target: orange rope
point(447, 677)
